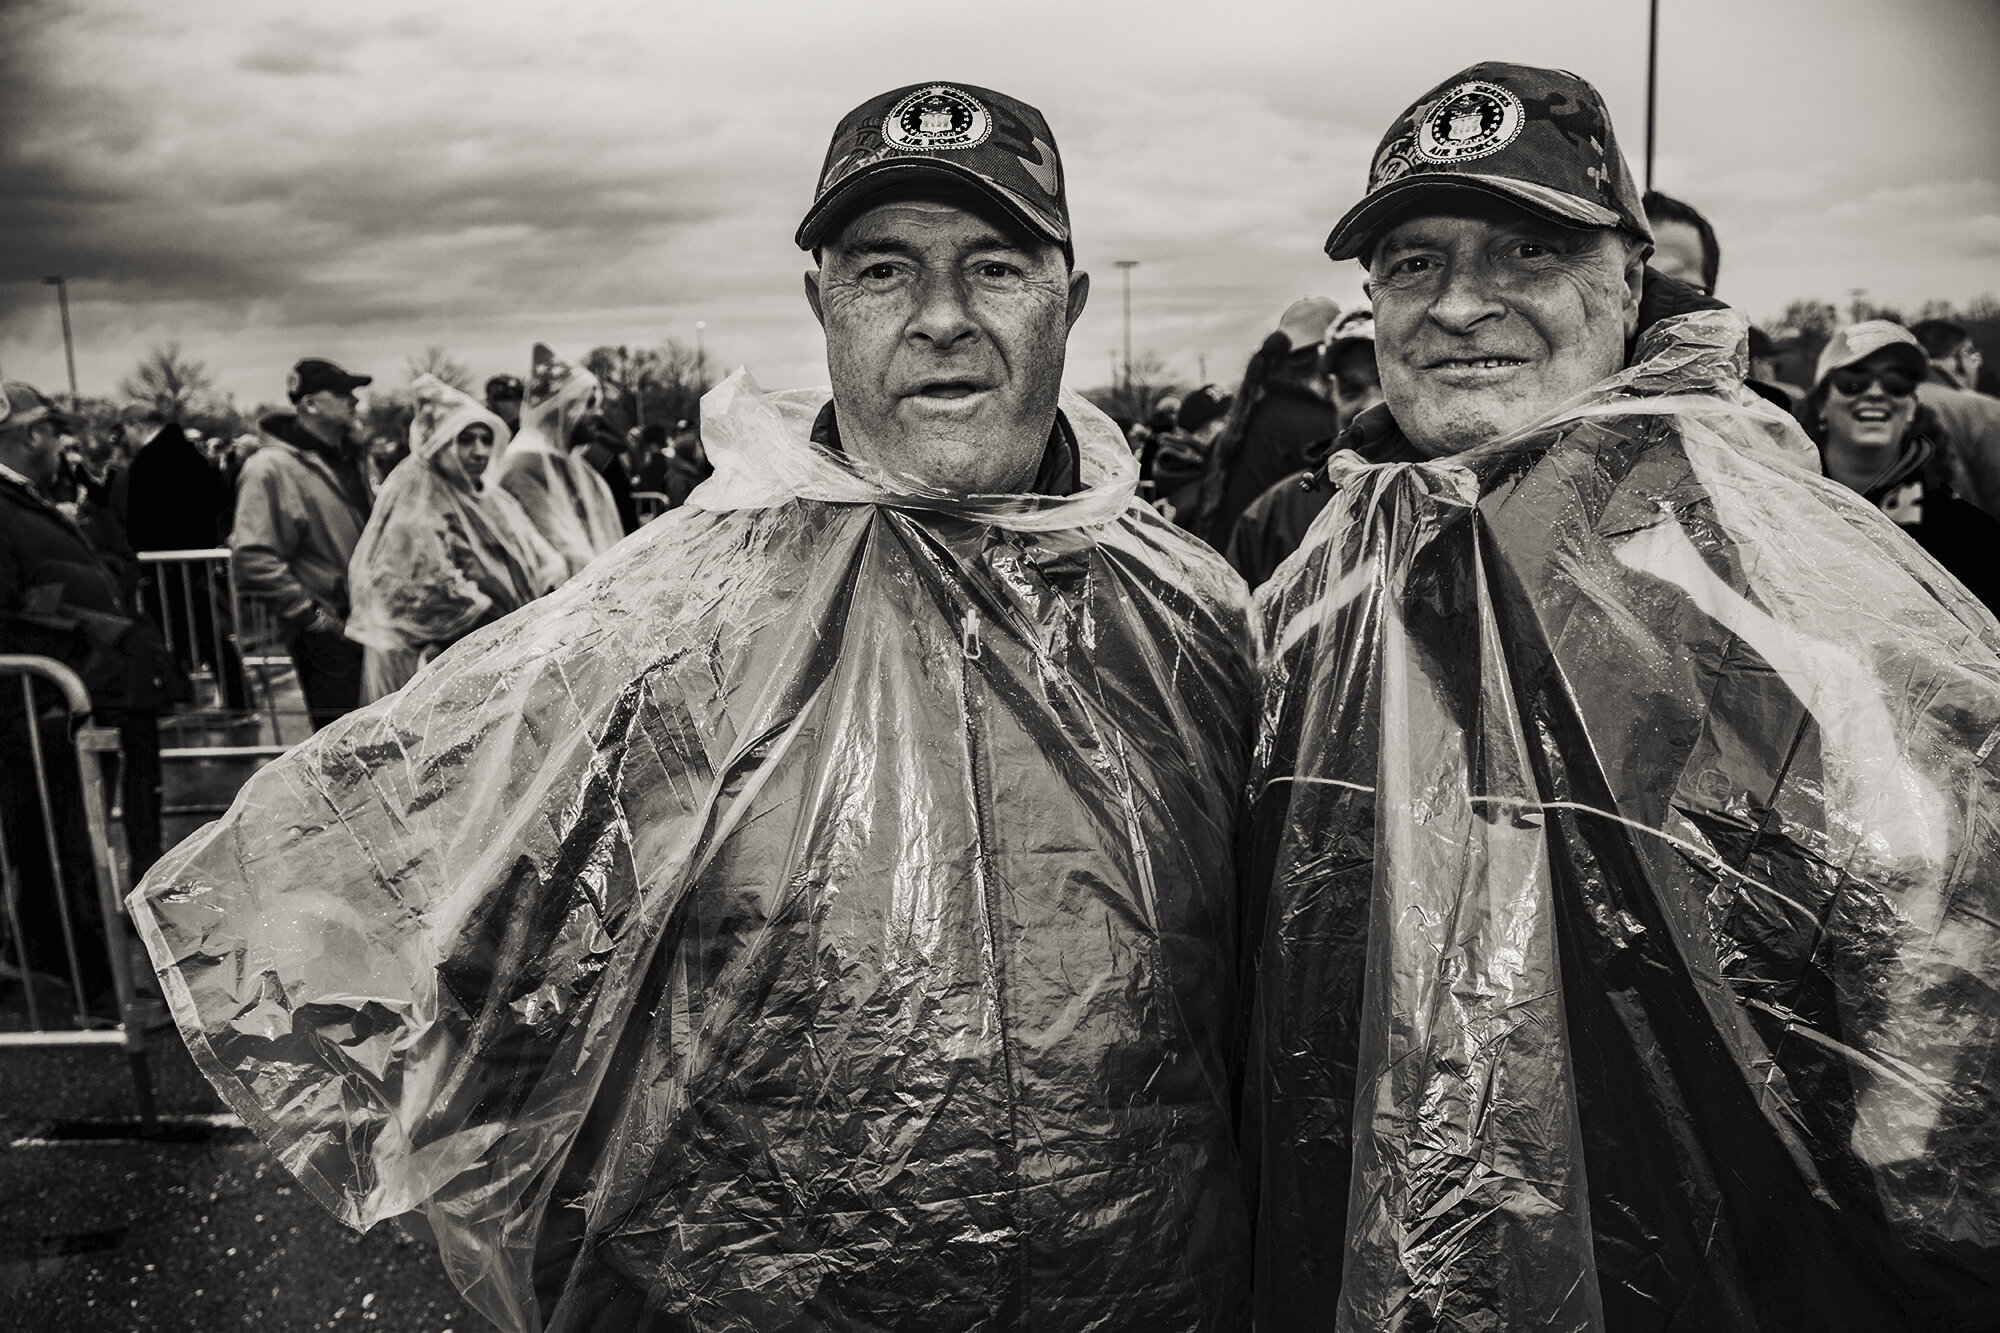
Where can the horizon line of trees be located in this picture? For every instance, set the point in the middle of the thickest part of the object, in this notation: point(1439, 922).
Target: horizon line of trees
point(664, 383)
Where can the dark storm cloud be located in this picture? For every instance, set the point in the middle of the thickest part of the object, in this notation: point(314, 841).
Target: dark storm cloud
point(351, 218)
point(248, 178)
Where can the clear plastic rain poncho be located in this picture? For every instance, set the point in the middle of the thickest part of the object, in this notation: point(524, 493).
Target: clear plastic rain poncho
point(567, 501)
point(440, 555)
point(1632, 951)
point(817, 915)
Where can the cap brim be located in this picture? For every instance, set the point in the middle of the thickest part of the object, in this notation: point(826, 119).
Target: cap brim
point(1355, 232)
point(837, 204)
point(1910, 354)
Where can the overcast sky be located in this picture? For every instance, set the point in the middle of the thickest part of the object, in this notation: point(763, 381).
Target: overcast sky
point(261, 180)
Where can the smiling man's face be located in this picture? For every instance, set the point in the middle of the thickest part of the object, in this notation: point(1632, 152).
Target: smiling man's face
point(1486, 317)
point(944, 338)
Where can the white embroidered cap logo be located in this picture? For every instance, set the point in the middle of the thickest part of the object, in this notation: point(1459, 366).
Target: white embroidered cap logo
point(935, 118)
point(1471, 121)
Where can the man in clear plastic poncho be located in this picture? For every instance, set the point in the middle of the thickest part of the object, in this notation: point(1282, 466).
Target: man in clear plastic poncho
point(569, 504)
point(441, 555)
point(1630, 953)
point(819, 913)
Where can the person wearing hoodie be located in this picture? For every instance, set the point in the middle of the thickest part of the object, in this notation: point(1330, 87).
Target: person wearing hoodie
point(301, 502)
point(1877, 438)
point(441, 555)
point(1281, 408)
point(547, 466)
point(1968, 421)
point(1276, 521)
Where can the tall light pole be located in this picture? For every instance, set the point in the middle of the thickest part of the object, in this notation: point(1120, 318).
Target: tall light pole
point(1652, 80)
point(69, 347)
point(1125, 267)
point(700, 355)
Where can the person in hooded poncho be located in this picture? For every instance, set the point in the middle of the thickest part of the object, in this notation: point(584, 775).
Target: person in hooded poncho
point(819, 913)
point(1630, 960)
point(441, 555)
point(563, 496)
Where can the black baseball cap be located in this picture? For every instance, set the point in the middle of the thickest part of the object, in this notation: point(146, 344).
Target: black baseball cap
point(504, 386)
point(313, 375)
point(1539, 138)
point(951, 133)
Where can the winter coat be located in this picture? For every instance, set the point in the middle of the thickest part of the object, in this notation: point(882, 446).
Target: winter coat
point(817, 914)
point(1276, 436)
point(1919, 494)
point(60, 599)
point(183, 503)
point(1969, 433)
point(299, 513)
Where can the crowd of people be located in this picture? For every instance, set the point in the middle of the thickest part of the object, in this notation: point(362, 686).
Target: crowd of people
point(919, 883)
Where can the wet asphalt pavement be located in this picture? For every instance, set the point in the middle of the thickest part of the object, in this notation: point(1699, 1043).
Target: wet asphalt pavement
point(198, 1228)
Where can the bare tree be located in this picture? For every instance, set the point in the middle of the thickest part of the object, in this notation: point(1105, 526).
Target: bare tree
point(176, 384)
point(648, 386)
point(436, 361)
point(1134, 399)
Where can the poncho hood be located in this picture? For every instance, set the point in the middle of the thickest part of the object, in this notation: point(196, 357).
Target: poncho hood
point(440, 555)
point(1624, 790)
point(568, 503)
point(819, 914)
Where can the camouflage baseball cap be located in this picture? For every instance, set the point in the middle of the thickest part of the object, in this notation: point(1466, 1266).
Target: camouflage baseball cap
point(1540, 138)
point(951, 132)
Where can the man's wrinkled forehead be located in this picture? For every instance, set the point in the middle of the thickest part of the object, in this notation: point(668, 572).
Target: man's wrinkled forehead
point(1431, 222)
point(900, 221)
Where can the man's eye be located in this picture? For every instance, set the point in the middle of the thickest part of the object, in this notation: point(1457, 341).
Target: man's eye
point(879, 272)
point(1411, 265)
point(993, 268)
point(1534, 250)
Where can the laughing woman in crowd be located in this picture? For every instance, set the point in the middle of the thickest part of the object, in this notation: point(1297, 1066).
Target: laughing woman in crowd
point(441, 555)
point(1875, 438)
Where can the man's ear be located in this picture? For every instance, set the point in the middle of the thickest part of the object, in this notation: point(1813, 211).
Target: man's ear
point(1635, 285)
point(812, 297)
point(1079, 292)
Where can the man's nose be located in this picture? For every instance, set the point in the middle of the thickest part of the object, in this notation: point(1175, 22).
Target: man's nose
point(1467, 297)
point(943, 318)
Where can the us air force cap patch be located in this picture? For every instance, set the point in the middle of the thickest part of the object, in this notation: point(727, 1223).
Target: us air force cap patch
point(936, 119)
point(942, 133)
point(1475, 119)
point(1538, 138)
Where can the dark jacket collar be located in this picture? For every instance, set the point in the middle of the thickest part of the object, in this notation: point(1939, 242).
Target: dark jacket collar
point(345, 466)
point(1059, 474)
point(1920, 456)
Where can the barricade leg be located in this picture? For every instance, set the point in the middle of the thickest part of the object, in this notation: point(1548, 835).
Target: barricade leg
point(76, 893)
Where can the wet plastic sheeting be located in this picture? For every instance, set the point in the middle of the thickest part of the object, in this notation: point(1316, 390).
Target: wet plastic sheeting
point(817, 915)
point(1631, 957)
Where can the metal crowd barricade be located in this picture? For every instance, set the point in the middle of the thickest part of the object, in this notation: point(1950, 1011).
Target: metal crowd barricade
point(225, 639)
point(93, 746)
point(650, 505)
point(247, 697)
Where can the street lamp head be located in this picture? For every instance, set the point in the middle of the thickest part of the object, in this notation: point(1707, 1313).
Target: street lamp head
point(55, 281)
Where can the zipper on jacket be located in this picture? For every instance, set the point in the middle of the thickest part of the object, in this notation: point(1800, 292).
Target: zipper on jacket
point(1014, 1313)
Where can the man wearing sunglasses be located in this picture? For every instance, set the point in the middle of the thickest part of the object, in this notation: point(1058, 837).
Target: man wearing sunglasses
point(1875, 438)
